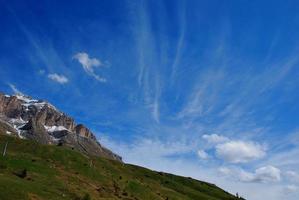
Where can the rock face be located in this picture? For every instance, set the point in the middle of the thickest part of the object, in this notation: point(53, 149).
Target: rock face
point(38, 120)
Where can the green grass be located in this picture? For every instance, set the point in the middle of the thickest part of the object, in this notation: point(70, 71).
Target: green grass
point(60, 173)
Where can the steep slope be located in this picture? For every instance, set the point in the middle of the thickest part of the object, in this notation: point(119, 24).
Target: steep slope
point(31, 170)
point(40, 121)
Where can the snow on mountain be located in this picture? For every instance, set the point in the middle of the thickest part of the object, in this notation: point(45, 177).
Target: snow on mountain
point(28, 101)
point(52, 129)
point(38, 120)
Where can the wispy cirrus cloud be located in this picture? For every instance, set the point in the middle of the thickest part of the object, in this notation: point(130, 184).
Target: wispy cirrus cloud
point(215, 138)
point(285, 158)
point(216, 91)
point(221, 99)
point(203, 97)
point(89, 65)
point(155, 106)
point(61, 79)
point(42, 49)
point(148, 66)
point(180, 43)
point(14, 88)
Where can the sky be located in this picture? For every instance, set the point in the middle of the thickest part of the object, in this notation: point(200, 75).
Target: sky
point(206, 89)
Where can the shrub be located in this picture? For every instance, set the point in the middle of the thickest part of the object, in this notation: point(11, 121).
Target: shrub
point(86, 197)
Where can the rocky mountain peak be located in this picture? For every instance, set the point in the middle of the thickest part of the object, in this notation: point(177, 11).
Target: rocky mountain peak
point(39, 120)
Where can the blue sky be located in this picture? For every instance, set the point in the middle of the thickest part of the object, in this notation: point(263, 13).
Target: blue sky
point(207, 89)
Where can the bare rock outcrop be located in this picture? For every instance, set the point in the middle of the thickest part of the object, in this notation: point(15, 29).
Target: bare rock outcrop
point(38, 120)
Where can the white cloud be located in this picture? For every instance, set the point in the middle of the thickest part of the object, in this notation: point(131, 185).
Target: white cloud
point(237, 174)
point(266, 174)
point(224, 171)
point(292, 176)
point(41, 72)
point(290, 189)
point(89, 64)
point(14, 89)
point(141, 152)
point(239, 151)
point(215, 139)
point(202, 154)
point(58, 78)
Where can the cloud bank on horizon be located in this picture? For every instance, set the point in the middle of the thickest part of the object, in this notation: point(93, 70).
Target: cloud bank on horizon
point(201, 89)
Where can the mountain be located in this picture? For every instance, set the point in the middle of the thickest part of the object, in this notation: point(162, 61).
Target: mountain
point(38, 120)
point(46, 155)
point(32, 171)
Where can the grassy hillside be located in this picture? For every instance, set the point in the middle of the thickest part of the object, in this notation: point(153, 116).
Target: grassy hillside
point(34, 171)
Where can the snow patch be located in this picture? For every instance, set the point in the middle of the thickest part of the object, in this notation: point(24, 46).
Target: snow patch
point(51, 106)
point(33, 102)
point(52, 129)
point(38, 105)
point(18, 122)
point(8, 132)
point(17, 125)
point(54, 139)
point(26, 99)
